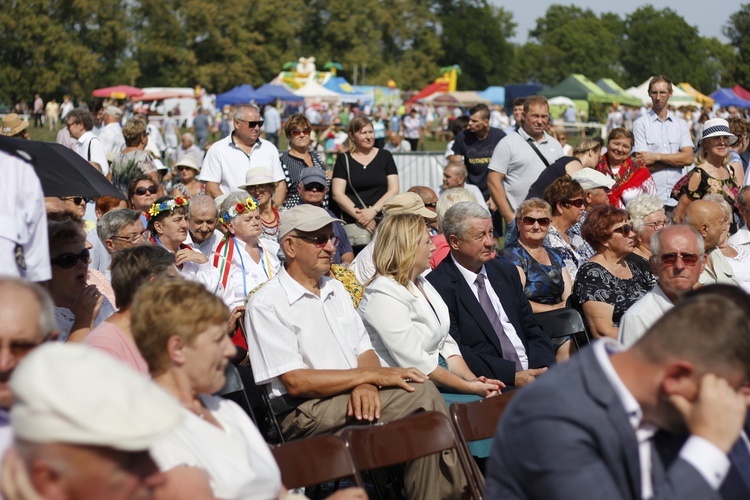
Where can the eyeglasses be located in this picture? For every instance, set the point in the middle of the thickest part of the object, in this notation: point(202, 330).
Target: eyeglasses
point(69, 260)
point(315, 186)
point(530, 221)
point(70, 124)
point(336, 124)
point(659, 224)
point(298, 132)
point(252, 124)
point(142, 190)
point(623, 230)
point(431, 205)
point(134, 238)
point(180, 168)
point(320, 240)
point(669, 259)
point(77, 200)
point(578, 203)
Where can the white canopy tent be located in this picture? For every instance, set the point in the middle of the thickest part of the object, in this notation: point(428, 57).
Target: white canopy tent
point(679, 96)
point(313, 91)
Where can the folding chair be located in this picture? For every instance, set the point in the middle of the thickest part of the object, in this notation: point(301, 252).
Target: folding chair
point(234, 389)
point(478, 420)
point(403, 440)
point(562, 323)
point(311, 461)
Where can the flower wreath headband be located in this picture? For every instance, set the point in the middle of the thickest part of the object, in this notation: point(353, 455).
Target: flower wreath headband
point(168, 205)
point(248, 205)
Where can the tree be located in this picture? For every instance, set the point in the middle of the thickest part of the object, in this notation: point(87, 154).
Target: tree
point(737, 30)
point(475, 36)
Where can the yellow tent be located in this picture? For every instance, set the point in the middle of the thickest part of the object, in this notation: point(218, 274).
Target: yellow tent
point(704, 100)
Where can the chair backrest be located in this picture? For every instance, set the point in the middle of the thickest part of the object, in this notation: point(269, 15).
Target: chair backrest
point(315, 460)
point(403, 440)
point(561, 322)
point(233, 383)
point(478, 419)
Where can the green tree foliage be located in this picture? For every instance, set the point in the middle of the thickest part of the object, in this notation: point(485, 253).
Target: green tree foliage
point(474, 35)
point(738, 32)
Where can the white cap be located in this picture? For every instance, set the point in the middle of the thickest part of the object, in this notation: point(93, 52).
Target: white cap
point(70, 393)
point(589, 178)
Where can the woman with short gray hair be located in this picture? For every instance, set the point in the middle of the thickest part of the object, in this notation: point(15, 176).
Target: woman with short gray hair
point(648, 216)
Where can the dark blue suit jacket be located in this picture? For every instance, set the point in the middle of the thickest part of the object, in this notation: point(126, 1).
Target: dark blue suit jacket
point(472, 329)
point(567, 435)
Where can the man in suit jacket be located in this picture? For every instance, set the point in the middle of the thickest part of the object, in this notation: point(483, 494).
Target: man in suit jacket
point(592, 429)
point(468, 229)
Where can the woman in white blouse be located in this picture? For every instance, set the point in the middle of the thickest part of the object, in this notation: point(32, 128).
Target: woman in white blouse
point(404, 315)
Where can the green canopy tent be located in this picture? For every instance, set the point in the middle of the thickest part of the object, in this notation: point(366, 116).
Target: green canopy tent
point(581, 89)
point(611, 87)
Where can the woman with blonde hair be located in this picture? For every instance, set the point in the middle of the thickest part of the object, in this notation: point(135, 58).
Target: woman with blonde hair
point(134, 159)
point(364, 177)
point(405, 316)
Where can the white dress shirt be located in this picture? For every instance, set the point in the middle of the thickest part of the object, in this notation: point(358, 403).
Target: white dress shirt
point(96, 153)
point(510, 331)
point(641, 315)
point(290, 328)
point(707, 459)
point(113, 140)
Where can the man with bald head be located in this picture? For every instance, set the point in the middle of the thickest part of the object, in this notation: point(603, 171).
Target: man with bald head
point(708, 218)
point(677, 259)
point(454, 176)
point(203, 218)
point(27, 318)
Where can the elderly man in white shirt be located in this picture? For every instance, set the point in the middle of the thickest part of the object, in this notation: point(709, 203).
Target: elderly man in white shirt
point(309, 347)
point(111, 135)
point(80, 124)
point(229, 159)
point(678, 258)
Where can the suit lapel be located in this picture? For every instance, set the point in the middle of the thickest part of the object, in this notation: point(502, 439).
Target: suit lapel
point(596, 382)
point(469, 301)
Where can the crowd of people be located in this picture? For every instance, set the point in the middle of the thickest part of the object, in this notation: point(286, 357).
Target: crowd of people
point(348, 302)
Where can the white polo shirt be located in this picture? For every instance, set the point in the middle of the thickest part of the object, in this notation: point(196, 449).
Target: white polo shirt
point(227, 164)
point(91, 148)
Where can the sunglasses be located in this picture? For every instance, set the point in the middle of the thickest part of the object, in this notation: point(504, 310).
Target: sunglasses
point(69, 260)
point(320, 240)
point(669, 259)
point(142, 190)
point(315, 186)
point(252, 124)
point(578, 203)
point(77, 200)
point(530, 221)
point(623, 230)
point(297, 132)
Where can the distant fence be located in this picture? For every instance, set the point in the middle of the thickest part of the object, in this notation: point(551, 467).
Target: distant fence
point(420, 169)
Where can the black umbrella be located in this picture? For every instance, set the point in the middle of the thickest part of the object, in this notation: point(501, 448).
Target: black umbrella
point(61, 171)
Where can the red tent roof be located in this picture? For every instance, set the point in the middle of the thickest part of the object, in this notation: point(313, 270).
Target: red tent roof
point(741, 92)
point(429, 90)
point(118, 92)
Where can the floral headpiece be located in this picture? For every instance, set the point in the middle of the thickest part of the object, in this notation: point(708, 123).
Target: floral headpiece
point(167, 205)
point(248, 205)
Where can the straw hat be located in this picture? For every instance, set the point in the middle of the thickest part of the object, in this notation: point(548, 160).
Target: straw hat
point(12, 124)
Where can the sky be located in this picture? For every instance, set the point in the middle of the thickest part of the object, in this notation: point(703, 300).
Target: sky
point(709, 17)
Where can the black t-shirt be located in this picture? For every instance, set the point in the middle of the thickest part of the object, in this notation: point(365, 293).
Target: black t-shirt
point(477, 155)
point(371, 181)
point(549, 175)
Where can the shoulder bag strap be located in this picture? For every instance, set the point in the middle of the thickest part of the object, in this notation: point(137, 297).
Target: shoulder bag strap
point(530, 142)
point(349, 179)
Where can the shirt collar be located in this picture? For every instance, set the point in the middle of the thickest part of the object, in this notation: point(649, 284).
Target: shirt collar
point(654, 117)
point(469, 276)
point(526, 136)
point(295, 291)
point(603, 349)
point(85, 137)
point(257, 144)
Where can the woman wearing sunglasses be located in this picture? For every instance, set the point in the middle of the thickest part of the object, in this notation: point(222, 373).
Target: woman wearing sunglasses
point(712, 174)
point(190, 185)
point(299, 156)
point(565, 197)
point(607, 285)
point(546, 281)
point(142, 192)
point(78, 306)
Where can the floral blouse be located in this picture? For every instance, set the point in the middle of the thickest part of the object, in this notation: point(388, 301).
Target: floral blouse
point(708, 185)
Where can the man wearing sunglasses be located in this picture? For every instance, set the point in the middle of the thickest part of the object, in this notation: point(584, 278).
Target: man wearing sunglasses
point(310, 347)
point(678, 259)
point(313, 189)
point(27, 318)
point(228, 160)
